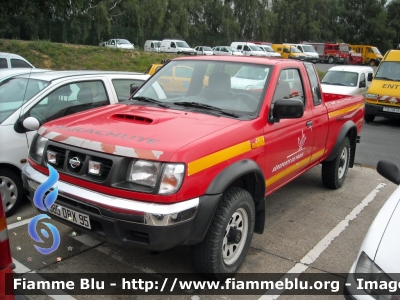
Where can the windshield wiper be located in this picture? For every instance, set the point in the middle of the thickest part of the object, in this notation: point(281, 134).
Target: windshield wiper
point(150, 100)
point(206, 106)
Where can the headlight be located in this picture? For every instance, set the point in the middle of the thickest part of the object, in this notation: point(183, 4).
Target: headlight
point(171, 178)
point(372, 96)
point(374, 280)
point(37, 148)
point(143, 172)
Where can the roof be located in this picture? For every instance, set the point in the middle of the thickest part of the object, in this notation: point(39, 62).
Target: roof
point(54, 75)
point(262, 60)
point(352, 68)
point(9, 72)
point(10, 55)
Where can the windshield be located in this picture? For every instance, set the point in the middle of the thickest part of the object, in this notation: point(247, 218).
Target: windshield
point(388, 70)
point(268, 49)
point(15, 91)
point(120, 42)
point(376, 50)
point(233, 87)
point(341, 78)
point(294, 49)
point(255, 48)
point(344, 48)
point(232, 49)
point(308, 48)
point(182, 44)
point(207, 49)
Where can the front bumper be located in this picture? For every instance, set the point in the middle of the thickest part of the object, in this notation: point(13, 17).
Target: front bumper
point(128, 222)
point(377, 110)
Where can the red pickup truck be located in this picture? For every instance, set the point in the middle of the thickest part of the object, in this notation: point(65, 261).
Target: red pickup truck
point(192, 166)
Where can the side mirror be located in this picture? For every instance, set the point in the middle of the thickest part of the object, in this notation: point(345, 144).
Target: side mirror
point(389, 170)
point(369, 77)
point(288, 109)
point(31, 123)
point(362, 84)
point(133, 88)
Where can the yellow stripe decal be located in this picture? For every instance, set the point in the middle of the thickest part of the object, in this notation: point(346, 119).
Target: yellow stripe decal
point(218, 157)
point(294, 167)
point(345, 110)
point(289, 170)
point(317, 154)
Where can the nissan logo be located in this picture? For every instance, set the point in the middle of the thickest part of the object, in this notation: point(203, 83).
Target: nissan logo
point(74, 162)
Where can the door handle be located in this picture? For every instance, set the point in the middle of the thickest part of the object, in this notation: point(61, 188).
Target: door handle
point(308, 123)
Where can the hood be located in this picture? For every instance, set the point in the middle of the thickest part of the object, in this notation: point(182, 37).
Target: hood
point(134, 131)
point(339, 89)
point(388, 255)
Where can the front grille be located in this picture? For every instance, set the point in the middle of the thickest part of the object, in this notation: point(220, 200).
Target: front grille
point(76, 162)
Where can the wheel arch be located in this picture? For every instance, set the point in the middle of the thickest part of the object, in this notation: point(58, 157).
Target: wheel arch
point(248, 175)
point(11, 167)
point(349, 129)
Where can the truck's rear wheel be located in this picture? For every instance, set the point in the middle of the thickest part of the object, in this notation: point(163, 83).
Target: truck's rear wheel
point(372, 63)
point(331, 60)
point(228, 238)
point(334, 172)
point(369, 118)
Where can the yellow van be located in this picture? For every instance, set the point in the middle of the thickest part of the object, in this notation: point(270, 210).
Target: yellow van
point(383, 96)
point(288, 51)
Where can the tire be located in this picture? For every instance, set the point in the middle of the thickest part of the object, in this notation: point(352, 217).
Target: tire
point(216, 256)
point(369, 118)
point(372, 63)
point(334, 172)
point(11, 190)
point(331, 60)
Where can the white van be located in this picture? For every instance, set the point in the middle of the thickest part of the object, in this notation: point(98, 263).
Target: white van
point(270, 52)
point(308, 50)
point(176, 46)
point(249, 49)
point(152, 46)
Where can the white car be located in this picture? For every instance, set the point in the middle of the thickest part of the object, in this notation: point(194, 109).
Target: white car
point(11, 60)
point(270, 52)
point(29, 100)
point(120, 44)
point(226, 50)
point(203, 50)
point(249, 78)
point(378, 260)
point(347, 80)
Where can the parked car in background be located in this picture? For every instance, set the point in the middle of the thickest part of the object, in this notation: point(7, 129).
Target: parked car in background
point(289, 51)
point(270, 52)
point(176, 46)
point(11, 60)
point(154, 68)
point(349, 80)
point(203, 50)
point(29, 100)
point(308, 50)
point(378, 260)
point(226, 50)
point(248, 49)
point(119, 44)
point(383, 96)
point(152, 46)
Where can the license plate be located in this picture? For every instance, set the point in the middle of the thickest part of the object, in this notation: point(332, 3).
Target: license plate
point(393, 110)
point(70, 215)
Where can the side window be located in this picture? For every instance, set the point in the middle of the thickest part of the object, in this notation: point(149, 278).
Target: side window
point(3, 63)
point(151, 45)
point(69, 99)
point(362, 80)
point(18, 63)
point(239, 47)
point(298, 47)
point(370, 50)
point(314, 84)
point(183, 72)
point(112, 42)
point(122, 87)
point(173, 45)
point(246, 48)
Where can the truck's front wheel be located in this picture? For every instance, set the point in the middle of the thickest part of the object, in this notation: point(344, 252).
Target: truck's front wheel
point(228, 238)
point(334, 172)
point(331, 60)
point(369, 118)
